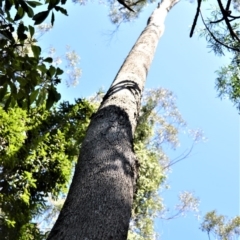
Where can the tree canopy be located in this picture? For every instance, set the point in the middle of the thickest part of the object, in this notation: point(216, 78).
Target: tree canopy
point(33, 77)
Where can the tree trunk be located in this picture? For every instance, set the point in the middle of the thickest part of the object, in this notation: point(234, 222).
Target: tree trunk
point(98, 205)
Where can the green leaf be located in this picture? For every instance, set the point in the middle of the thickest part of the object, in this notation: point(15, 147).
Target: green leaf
point(63, 1)
point(59, 71)
point(40, 17)
point(57, 95)
point(21, 94)
point(51, 71)
point(25, 197)
point(21, 81)
point(42, 68)
point(3, 80)
point(30, 12)
point(48, 59)
point(62, 10)
point(53, 96)
point(41, 98)
point(7, 103)
point(31, 30)
point(36, 51)
point(7, 34)
point(10, 223)
point(8, 5)
point(20, 13)
point(33, 96)
point(13, 88)
point(53, 4)
point(53, 18)
point(24, 5)
point(50, 100)
point(34, 3)
point(20, 32)
point(3, 91)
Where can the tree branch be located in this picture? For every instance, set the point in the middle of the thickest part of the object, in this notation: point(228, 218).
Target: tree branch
point(219, 42)
point(225, 13)
point(195, 18)
point(228, 5)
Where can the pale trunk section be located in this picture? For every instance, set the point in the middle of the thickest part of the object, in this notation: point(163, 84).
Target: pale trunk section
point(100, 198)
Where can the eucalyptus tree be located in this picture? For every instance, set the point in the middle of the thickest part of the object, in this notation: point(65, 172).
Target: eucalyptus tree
point(158, 125)
point(99, 202)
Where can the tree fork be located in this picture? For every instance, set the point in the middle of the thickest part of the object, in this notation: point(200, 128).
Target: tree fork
point(99, 202)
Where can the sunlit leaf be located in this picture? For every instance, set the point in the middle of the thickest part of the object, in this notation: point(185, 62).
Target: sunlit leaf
point(36, 50)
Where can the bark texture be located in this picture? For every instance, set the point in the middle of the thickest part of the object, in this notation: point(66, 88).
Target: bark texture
point(98, 205)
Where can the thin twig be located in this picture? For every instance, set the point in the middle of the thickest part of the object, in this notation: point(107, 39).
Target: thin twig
point(179, 159)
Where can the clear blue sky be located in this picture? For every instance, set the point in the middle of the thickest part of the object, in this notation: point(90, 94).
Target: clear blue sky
point(182, 65)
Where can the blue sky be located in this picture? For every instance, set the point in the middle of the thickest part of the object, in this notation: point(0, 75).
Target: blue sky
point(182, 65)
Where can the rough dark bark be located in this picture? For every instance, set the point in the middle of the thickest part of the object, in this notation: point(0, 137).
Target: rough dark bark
point(100, 198)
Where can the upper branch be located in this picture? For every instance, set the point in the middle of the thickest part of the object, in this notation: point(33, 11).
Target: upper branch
point(196, 17)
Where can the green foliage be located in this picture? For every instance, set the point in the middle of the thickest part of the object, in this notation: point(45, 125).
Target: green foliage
point(220, 227)
point(222, 33)
point(147, 202)
point(221, 30)
point(38, 147)
point(153, 129)
point(228, 83)
point(26, 77)
point(38, 151)
point(26, 8)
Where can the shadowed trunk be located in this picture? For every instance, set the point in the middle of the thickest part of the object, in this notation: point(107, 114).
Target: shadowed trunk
point(99, 202)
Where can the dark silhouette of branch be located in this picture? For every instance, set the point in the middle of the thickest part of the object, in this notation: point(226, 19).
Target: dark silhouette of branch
point(228, 5)
point(226, 13)
point(209, 235)
point(125, 5)
point(135, 3)
point(233, 18)
point(195, 18)
point(230, 16)
point(226, 17)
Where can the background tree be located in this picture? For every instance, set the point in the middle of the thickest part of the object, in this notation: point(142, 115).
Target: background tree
point(220, 226)
point(38, 151)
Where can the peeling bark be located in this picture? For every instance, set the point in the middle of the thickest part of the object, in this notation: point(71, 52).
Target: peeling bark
point(98, 205)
